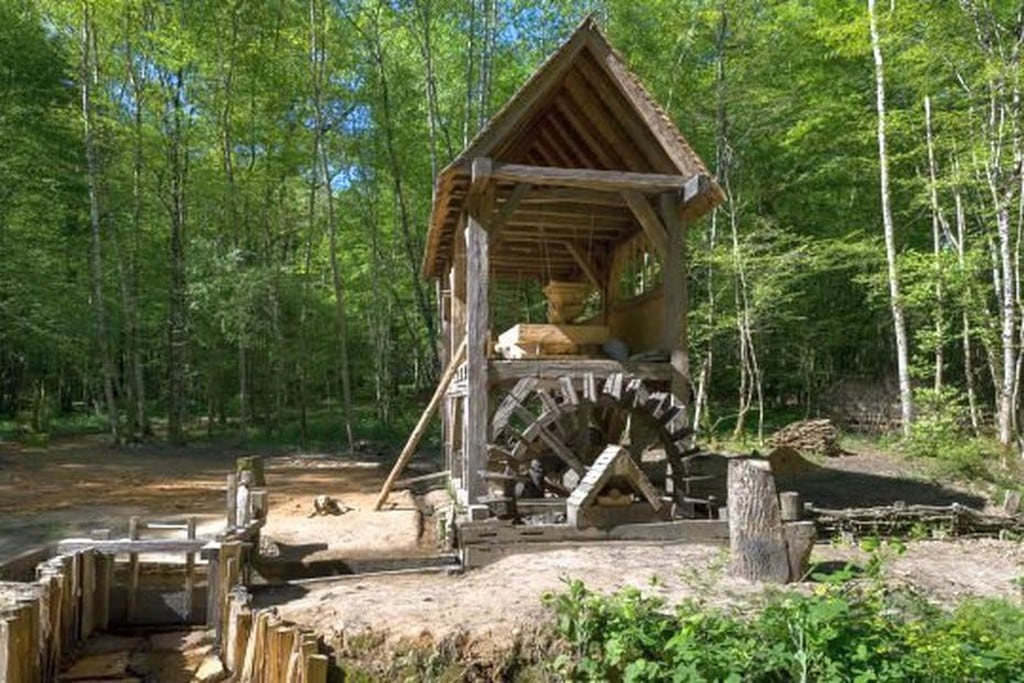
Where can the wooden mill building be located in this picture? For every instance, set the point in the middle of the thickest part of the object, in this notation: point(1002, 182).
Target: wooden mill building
point(583, 184)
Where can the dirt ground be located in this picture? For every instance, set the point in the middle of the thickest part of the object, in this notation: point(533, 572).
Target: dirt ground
point(496, 604)
point(80, 484)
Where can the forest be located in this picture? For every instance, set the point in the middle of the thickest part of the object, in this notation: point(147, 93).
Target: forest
point(212, 213)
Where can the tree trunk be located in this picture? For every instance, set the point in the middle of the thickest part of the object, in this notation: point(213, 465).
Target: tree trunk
point(318, 56)
point(435, 123)
point(895, 302)
point(138, 378)
point(90, 78)
point(178, 312)
point(756, 537)
point(937, 229)
point(1007, 387)
point(961, 247)
point(411, 248)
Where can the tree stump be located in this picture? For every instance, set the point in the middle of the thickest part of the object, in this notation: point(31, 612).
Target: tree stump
point(756, 536)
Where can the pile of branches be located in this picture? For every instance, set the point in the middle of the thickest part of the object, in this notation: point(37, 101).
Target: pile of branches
point(809, 436)
point(895, 521)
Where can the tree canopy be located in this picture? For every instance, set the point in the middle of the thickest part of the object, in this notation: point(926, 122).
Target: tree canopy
point(216, 210)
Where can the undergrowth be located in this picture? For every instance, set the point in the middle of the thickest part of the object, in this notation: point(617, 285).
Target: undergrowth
point(845, 630)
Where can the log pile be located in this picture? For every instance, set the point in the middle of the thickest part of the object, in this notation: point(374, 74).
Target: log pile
point(915, 520)
point(809, 436)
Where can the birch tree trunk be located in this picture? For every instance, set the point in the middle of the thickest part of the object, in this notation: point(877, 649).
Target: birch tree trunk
point(937, 230)
point(965, 321)
point(895, 302)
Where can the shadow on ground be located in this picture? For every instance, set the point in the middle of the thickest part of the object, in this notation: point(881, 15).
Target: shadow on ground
point(829, 487)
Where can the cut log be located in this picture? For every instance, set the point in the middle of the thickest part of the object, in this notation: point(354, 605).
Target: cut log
point(756, 537)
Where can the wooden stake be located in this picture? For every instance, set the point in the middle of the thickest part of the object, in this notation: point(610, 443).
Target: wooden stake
point(190, 565)
point(316, 669)
point(421, 426)
point(133, 570)
point(232, 501)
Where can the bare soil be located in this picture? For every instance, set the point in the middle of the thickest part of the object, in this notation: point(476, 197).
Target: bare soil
point(492, 608)
point(79, 484)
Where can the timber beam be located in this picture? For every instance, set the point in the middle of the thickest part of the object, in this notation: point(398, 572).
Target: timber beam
point(588, 178)
point(649, 221)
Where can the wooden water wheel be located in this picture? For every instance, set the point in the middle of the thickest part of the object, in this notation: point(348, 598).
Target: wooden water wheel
point(565, 424)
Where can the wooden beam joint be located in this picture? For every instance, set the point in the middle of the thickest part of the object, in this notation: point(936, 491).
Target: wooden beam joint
point(649, 221)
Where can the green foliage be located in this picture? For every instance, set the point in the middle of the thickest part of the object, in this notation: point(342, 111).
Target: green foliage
point(940, 432)
point(843, 631)
point(777, 94)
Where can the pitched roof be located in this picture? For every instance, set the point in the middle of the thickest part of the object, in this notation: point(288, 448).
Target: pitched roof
point(582, 108)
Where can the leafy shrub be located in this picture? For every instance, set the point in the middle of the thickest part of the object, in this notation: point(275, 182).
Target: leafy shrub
point(939, 431)
point(841, 632)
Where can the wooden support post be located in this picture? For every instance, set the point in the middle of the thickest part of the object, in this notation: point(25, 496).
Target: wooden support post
point(16, 644)
point(232, 501)
point(316, 669)
point(87, 594)
point(133, 572)
point(756, 537)
point(6, 645)
point(243, 509)
point(231, 571)
point(259, 504)
point(239, 628)
point(478, 324)
point(104, 582)
point(49, 583)
point(675, 340)
point(458, 285)
point(211, 553)
point(190, 568)
point(421, 426)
